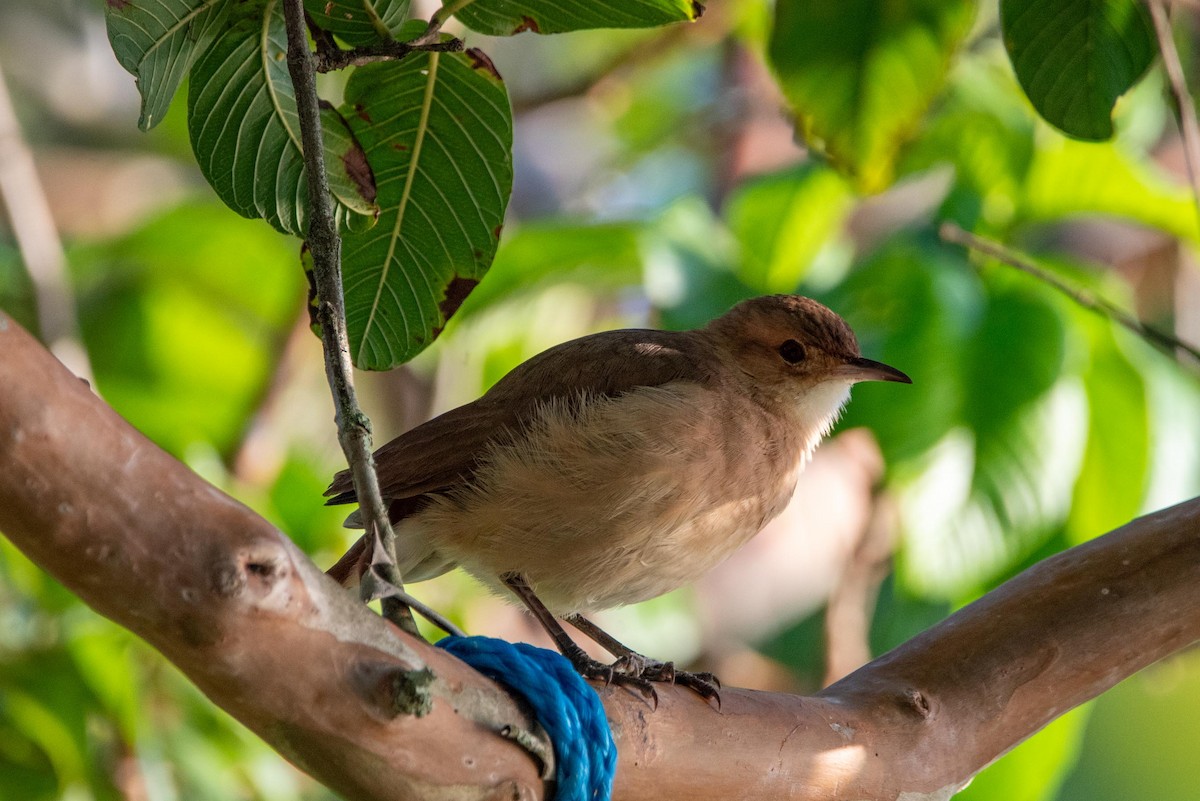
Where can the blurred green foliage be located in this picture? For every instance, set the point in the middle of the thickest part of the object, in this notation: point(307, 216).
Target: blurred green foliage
point(1031, 425)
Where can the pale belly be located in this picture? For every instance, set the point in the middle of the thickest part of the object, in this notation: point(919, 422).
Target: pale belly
point(624, 502)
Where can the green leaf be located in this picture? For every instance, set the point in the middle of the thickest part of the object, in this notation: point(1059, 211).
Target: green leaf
point(690, 259)
point(437, 129)
point(1068, 178)
point(982, 505)
point(1074, 58)
point(860, 74)
point(1112, 482)
point(246, 133)
point(1015, 356)
point(782, 222)
point(538, 254)
point(358, 22)
point(913, 304)
point(184, 319)
point(350, 176)
point(982, 128)
point(17, 297)
point(157, 41)
point(1035, 769)
point(506, 17)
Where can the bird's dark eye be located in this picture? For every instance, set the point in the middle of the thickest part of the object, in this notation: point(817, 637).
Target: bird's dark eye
point(792, 352)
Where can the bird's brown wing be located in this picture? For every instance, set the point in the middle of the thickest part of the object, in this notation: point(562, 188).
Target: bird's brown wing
point(445, 451)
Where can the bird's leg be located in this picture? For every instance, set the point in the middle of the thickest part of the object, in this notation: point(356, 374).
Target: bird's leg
point(631, 662)
point(586, 666)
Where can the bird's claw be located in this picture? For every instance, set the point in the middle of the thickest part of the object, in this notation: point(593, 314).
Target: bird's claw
point(617, 674)
point(641, 673)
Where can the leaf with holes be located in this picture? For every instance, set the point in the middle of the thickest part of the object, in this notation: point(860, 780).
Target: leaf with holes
point(860, 74)
point(506, 17)
point(358, 22)
point(157, 41)
point(437, 130)
point(1074, 58)
point(245, 131)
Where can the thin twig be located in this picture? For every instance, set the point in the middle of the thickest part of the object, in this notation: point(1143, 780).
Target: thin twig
point(1188, 125)
point(389, 590)
point(38, 241)
point(335, 58)
point(434, 28)
point(354, 429)
point(1168, 343)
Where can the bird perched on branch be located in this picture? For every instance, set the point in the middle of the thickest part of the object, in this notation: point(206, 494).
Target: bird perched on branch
point(619, 466)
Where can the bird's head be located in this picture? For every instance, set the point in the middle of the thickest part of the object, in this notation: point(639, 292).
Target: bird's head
point(797, 353)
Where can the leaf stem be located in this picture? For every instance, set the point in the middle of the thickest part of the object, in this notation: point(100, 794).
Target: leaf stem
point(354, 428)
point(1166, 342)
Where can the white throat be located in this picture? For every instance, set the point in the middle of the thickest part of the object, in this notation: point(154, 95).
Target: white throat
point(817, 409)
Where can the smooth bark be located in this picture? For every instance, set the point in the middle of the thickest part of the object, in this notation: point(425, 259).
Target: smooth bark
point(376, 714)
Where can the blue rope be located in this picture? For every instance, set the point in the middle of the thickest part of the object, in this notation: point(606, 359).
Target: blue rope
point(567, 707)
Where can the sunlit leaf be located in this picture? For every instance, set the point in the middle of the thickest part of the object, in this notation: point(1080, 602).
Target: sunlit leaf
point(859, 75)
point(1035, 769)
point(1112, 482)
point(783, 220)
point(358, 22)
point(437, 130)
point(1068, 178)
point(1074, 58)
point(246, 133)
point(981, 505)
point(158, 41)
point(105, 663)
point(1140, 742)
point(983, 130)
point(506, 17)
point(1015, 356)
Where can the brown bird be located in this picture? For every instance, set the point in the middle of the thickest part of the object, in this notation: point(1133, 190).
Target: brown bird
point(619, 466)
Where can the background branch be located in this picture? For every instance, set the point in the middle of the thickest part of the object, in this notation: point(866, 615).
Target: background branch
point(37, 238)
point(1166, 342)
point(382, 715)
point(1188, 126)
point(851, 605)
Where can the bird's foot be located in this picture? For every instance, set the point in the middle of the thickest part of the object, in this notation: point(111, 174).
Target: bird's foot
point(614, 675)
point(634, 665)
point(706, 685)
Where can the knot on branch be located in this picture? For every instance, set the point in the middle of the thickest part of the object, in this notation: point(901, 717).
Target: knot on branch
point(253, 573)
point(392, 690)
point(917, 703)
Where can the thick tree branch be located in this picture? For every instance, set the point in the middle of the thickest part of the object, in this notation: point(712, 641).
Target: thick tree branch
point(229, 600)
point(337, 690)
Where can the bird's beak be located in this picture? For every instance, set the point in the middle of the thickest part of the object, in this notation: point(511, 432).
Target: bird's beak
point(860, 369)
